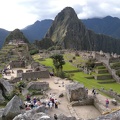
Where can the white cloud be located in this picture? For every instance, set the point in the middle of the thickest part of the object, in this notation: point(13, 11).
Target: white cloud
point(20, 13)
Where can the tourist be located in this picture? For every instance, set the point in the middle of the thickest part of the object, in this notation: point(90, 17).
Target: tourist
point(50, 104)
point(38, 103)
point(107, 103)
point(55, 117)
point(34, 100)
point(28, 98)
point(50, 96)
point(56, 103)
point(52, 101)
point(94, 92)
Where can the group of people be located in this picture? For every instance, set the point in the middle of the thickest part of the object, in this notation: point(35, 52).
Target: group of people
point(32, 103)
point(52, 102)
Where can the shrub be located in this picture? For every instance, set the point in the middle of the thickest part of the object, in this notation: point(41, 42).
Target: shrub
point(74, 58)
point(35, 51)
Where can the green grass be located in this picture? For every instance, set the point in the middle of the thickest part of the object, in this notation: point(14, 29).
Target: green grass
point(0, 75)
point(90, 83)
point(68, 67)
point(47, 62)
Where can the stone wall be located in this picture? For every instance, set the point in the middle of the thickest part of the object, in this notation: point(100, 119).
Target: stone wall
point(111, 93)
point(35, 75)
point(102, 77)
point(76, 92)
point(101, 71)
point(88, 101)
point(17, 64)
point(34, 65)
point(106, 60)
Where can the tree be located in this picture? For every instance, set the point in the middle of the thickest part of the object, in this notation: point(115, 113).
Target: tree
point(58, 62)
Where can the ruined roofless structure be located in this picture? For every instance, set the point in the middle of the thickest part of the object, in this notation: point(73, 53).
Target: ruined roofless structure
point(76, 92)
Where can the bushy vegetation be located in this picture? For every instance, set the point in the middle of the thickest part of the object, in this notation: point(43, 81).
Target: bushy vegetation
point(118, 73)
point(115, 65)
point(34, 51)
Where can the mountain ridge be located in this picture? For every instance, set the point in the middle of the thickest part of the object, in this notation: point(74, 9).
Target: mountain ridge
point(70, 33)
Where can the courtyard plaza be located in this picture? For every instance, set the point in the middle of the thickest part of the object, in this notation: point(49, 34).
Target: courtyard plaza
point(85, 112)
point(56, 88)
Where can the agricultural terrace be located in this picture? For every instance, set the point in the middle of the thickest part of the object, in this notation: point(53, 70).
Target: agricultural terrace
point(78, 76)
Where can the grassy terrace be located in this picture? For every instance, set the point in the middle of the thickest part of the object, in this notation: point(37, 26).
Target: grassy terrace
point(80, 76)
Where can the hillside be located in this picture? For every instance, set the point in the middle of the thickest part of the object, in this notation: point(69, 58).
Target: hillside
point(37, 31)
point(108, 25)
point(17, 36)
point(70, 33)
point(3, 35)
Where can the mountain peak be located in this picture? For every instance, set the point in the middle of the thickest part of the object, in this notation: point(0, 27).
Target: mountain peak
point(67, 12)
point(16, 35)
point(37, 22)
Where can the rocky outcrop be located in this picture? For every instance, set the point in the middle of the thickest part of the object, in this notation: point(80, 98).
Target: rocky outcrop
point(5, 86)
point(38, 86)
point(1, 97)
point(12, 108)
point(112, 116)
point(34, 114)
point(29, 116)
point(63, 117)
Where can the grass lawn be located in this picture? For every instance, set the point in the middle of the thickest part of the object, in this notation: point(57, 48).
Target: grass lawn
point(0, 75)
point(47, 62)
point(90, 83)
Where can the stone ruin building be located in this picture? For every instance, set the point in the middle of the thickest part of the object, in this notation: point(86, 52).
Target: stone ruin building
point(76, 92)
point(17, 64)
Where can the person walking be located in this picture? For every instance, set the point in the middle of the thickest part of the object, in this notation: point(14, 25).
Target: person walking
point(107, 103)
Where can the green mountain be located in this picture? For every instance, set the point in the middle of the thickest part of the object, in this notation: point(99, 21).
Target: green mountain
point(107, 25)
point(15, 35)
point(69, 32)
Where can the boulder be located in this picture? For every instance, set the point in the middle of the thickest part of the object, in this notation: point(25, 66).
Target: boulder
point(1, 113)
point(63, 117)
point(12, 108)
point(1, 97)
point(34, 114)
point(6, 86)
point(38, 86)
point(111, 116)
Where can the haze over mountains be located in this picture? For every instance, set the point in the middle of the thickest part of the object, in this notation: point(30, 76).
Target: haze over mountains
point(108, 25)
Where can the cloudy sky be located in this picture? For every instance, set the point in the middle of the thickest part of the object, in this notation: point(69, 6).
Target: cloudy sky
point(21, 13)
